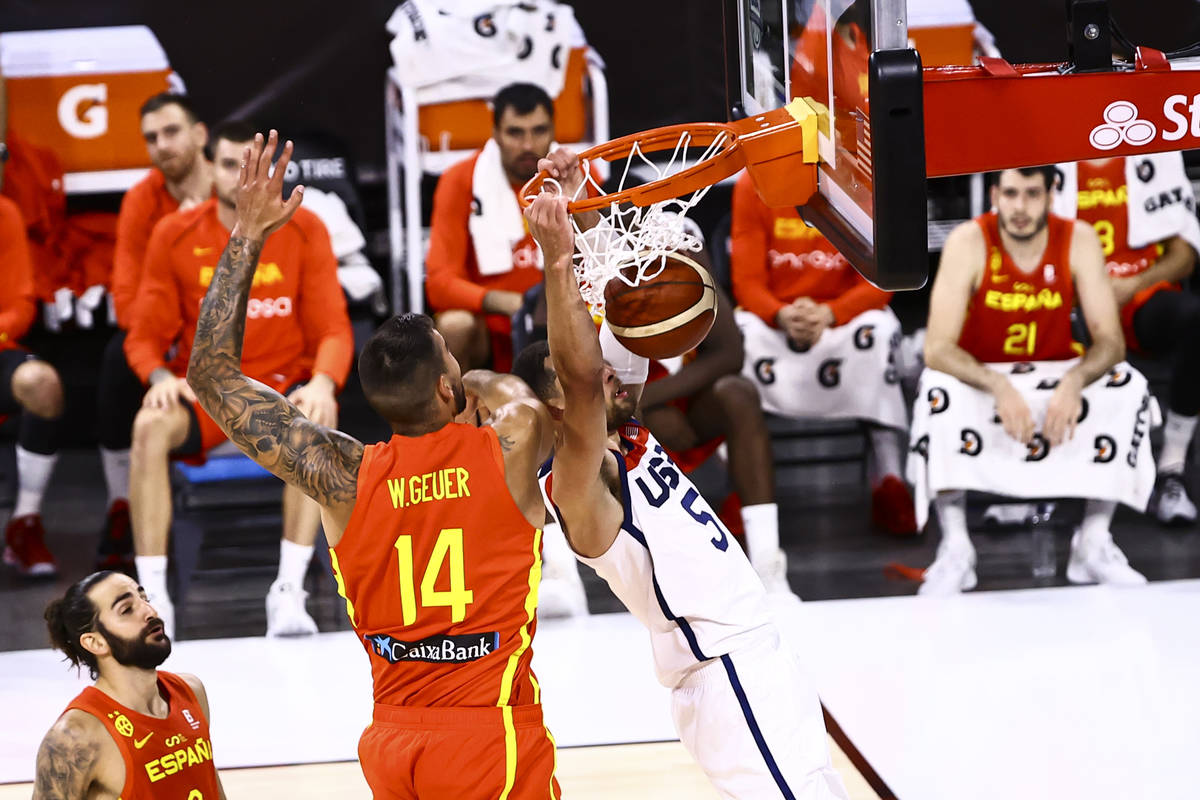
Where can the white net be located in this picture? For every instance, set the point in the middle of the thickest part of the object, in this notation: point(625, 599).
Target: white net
point(630, 243)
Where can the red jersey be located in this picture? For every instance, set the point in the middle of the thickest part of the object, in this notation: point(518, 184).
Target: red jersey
point(1104, 204)
point(452, 274)
point(165, 759)
point(1020, 316)
point(776, 258)
point(146, 202)
point(18, 305)
point(296, 319)
point(440, 571)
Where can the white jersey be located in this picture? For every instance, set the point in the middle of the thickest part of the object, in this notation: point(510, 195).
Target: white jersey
point(675, 566)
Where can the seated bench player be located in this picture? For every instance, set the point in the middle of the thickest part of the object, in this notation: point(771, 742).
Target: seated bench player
point(819, 339)
point(1007, 404)
point(31, 388)
point(298, 341)
point(1144, 212)
point(481, 258)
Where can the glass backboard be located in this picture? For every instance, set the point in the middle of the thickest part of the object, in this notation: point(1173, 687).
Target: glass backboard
point(871, 182)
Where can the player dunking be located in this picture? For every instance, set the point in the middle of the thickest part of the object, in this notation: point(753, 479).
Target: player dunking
point(434, 534)
point(138, 732)
point(740, 703)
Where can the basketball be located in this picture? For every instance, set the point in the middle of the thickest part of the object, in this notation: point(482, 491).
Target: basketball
point(667, 315)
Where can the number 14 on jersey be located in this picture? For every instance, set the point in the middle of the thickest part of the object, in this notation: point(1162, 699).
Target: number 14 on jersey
point(447, 548)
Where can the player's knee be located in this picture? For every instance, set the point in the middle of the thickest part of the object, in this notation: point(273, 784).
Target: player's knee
point(457, 323)
point(738, 395)
point(153, 430)
point(38, 389)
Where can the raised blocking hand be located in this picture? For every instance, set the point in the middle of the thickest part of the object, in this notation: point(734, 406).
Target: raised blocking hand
point(261, 209)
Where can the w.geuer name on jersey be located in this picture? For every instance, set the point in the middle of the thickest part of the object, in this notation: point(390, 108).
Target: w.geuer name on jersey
point(455, 649)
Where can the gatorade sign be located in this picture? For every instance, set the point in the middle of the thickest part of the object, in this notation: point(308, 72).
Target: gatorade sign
point(83, 112)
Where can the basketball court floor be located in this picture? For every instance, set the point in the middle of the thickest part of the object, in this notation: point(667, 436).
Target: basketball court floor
point(1082, 692)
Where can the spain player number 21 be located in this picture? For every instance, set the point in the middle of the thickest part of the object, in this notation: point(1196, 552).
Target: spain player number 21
point(448, 547)
point(1021, 339)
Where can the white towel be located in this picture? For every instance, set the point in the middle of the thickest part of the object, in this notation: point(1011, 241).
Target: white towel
point(496, 223)
point(848, 374)
point(449, 50)
point(959, 444)
point(1161, 202)
point(344, 236)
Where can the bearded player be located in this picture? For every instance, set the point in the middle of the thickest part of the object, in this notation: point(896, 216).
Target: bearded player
point(434, 534)
point(137, 733)
point(740, 703)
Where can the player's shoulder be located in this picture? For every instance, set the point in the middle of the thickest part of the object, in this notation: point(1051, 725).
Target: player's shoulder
point(75, 727)
point(178, 224)
point(966, 241)
point(461, 171)
point(304, 224)
point(153, 183)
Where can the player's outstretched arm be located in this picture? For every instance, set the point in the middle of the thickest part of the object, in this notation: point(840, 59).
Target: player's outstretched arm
point(592, 515)
point(322, 463)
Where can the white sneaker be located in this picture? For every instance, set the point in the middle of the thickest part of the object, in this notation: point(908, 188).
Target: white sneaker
point(561, 597)
point(1170, 502)
point(773, 573)
point(164, 609)
point(1100, 563)
point(952, 572)
point(286, 615)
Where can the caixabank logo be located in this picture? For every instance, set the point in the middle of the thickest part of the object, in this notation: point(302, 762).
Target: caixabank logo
point(1124, 123)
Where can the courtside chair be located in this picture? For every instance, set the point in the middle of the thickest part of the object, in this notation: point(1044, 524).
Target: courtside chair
point(428, 139)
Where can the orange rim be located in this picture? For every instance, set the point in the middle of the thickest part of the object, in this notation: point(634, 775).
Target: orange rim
point(720, 165)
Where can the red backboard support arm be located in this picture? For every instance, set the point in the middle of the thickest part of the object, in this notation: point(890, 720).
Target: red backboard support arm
point(998, 115)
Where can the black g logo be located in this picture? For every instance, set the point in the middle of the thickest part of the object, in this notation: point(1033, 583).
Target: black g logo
point(1118, 376)
point(921, 447)
point(1022, 368)
point(939, 400)
point(830, 374)
point(972, 445)
point(764, 370)
point(1038, 447)
point(1106, 449)
point(864, 337)
point(485, 25)
point(1048, 383)
point(1083, 410)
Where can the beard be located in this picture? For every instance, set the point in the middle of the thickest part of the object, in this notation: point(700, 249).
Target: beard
point(618, 412)
point(1038, 227)
point(140, 652)
point(460, 399)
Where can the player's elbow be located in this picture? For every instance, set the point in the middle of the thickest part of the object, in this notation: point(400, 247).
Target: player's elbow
point(936, 353)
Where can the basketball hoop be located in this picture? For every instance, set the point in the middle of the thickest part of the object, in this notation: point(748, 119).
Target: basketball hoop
point(642, 223)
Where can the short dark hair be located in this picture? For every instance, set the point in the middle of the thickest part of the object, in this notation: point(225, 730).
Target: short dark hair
point(1048, 172)
point(170, 99)
point(522, 98)
point(233, 130)
point(71, 616)
point(530, 366)
point(399, 368)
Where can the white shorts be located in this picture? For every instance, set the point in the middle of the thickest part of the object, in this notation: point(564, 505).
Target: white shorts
point(753, 722)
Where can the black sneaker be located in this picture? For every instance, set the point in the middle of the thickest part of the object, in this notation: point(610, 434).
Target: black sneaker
point(1170, 502)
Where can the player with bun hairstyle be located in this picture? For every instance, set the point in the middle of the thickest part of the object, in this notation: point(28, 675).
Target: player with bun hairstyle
point(137, 732)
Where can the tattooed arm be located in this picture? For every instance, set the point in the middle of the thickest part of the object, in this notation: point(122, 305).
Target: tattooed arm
point(321, 462)
point(68, 758)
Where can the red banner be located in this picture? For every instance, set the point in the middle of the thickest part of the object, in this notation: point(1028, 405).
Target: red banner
point(979, 119)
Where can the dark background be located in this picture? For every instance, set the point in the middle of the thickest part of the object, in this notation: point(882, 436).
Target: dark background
point(317, 64)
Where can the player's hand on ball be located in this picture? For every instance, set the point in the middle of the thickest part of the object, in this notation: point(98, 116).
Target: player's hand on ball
point(550, 225)
point(1062, 414)
point(1014, 413)
point(563, 165)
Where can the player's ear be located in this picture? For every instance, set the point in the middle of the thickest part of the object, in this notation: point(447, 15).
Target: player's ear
point(445, 390)
point(94, 642)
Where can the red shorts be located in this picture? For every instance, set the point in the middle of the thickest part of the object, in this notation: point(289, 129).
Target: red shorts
point(458, 754)
point(1135, 305)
